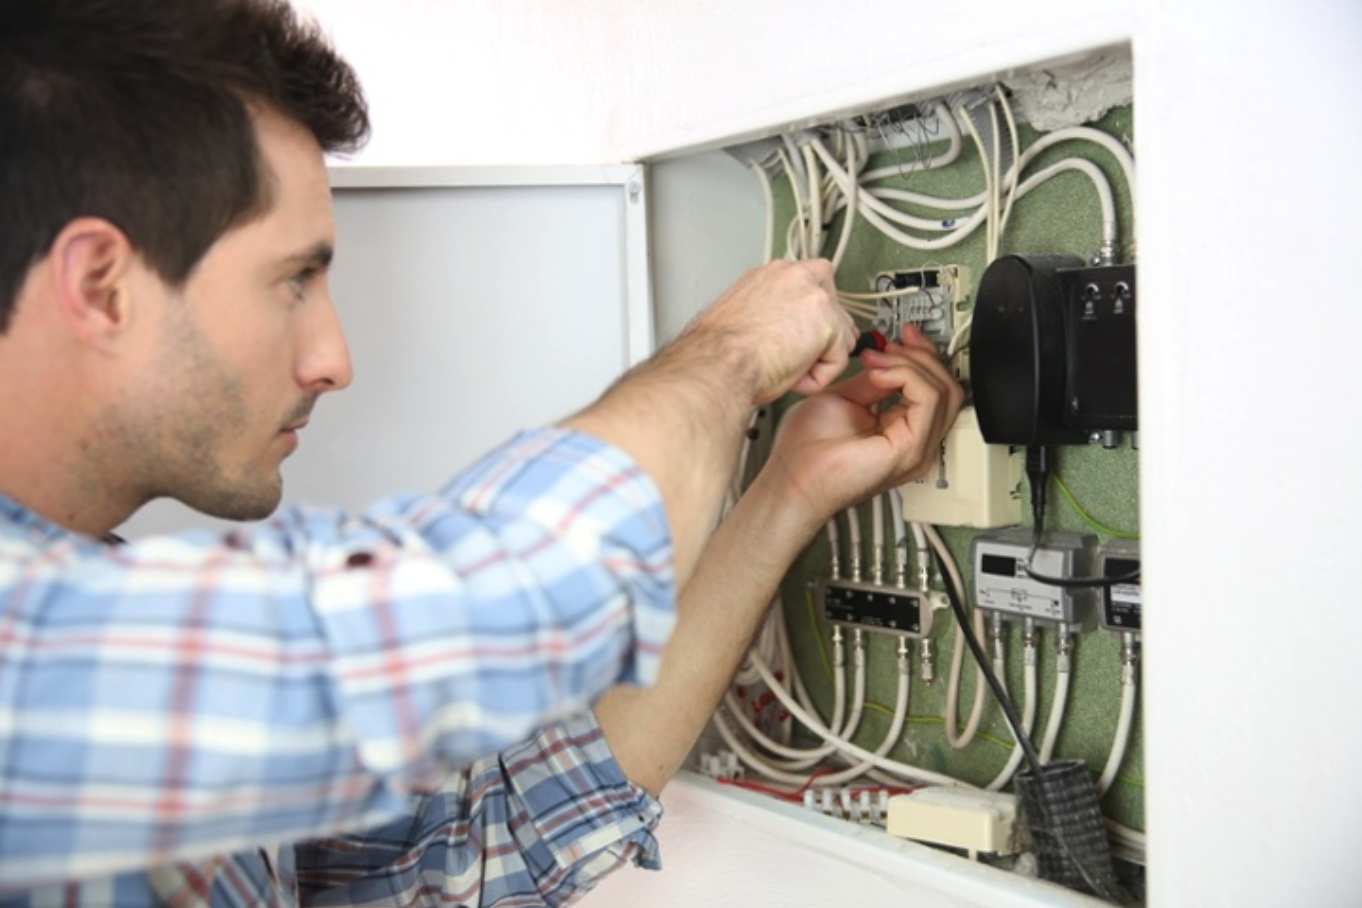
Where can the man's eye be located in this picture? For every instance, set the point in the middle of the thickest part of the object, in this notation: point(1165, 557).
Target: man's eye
point(298, 283)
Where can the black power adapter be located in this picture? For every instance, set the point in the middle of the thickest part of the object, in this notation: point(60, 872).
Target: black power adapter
point(1053, 350)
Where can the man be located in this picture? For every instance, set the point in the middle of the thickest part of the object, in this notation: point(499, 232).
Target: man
point(332, 709)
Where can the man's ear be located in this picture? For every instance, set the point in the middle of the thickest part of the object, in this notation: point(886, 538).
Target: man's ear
point(92, 261)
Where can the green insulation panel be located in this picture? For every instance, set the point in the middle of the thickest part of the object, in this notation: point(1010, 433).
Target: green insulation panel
point(1060, 216)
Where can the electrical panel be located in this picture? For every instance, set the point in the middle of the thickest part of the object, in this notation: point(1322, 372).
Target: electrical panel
point(1120, 601)
point(874, 607)
point(1004, 568)
point(972, 484)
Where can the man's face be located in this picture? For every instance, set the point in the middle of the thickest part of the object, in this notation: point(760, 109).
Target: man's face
point(247, 346)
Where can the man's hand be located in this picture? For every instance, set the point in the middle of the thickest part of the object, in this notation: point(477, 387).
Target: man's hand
point(881, 428)
point(781, 325)
point(680, 414)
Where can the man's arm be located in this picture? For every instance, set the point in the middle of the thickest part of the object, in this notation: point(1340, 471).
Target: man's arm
point(833, 449)
point(681, 414)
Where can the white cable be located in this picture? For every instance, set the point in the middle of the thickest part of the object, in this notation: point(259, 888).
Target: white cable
point(869, 204)
point(879, 214)
point(970, 224)
point(1086, 133)
point(794, 244)
point(802, 758)
point(851, 196)
point(854, 541)
point(900, 537)
point(795, 758)
point(1010, 179)
point(1028, 721)
point(956, 739)
point(914, 772)
point(924, 572)
point(853, 718)
point(1060, 700)
point(797, 237)
point(1118, 747)
point(921, 198)
point(1125, 835)
point(815, 244)
point(1099, 181)
point(768, 248)
point(891, 737)
point(961, 335)
point(988, 208)
point(995, 202)
point(765, 767)
point(839, 679)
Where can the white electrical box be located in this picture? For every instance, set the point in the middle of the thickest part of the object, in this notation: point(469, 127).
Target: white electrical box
point(977, 821)
point(972, 484)
point(1005, 582)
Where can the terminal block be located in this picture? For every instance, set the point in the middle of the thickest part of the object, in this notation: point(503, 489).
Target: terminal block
point(933, 300)
point(886, 609)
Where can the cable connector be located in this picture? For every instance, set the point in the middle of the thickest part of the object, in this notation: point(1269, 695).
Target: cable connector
point(1038, 477)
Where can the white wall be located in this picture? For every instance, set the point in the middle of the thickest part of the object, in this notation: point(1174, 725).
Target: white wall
point(1247, 137)
point(600, 81)
point(1250, 449)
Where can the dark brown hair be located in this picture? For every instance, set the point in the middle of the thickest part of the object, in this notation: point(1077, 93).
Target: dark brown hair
point(136, 111)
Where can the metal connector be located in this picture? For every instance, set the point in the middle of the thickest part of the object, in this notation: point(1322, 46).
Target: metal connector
point(1064, 647)
point(927, 657)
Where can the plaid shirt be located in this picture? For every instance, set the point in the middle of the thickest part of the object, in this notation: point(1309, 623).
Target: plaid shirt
point(192, 704)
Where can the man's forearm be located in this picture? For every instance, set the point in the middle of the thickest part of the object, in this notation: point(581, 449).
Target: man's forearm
point(651, 730)
point(680, 416)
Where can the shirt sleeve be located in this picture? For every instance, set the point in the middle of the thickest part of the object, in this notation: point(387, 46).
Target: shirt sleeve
point(186, 696)
point(537, 825)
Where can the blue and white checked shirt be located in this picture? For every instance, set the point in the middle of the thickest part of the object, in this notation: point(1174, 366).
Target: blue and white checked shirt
point(175, 713)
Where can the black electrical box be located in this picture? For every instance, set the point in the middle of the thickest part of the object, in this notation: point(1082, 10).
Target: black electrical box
point(1052, 350)
point(1099, 377)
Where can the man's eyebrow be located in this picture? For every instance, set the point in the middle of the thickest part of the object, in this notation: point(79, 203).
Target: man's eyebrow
point(318, 256)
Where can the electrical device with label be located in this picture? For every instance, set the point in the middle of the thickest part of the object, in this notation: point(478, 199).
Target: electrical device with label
point(1120, 609)
point(1003, 563)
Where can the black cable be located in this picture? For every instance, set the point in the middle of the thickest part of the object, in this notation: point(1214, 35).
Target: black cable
point(1009, 711)
point(1084, 583)
point(1038, 477)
